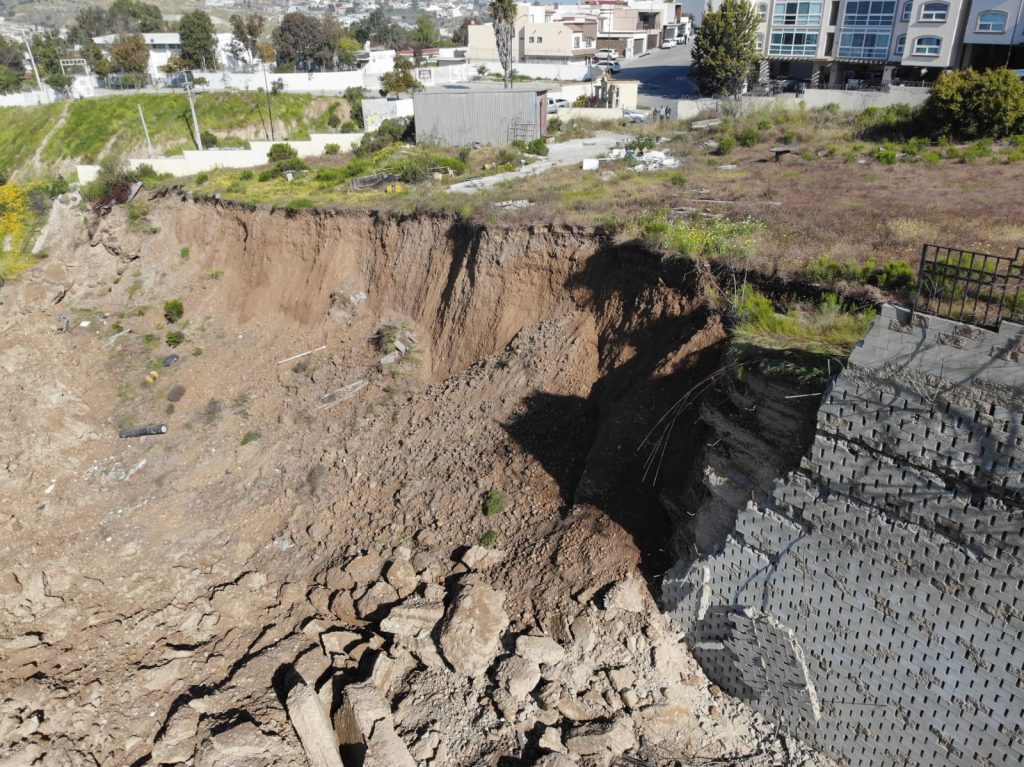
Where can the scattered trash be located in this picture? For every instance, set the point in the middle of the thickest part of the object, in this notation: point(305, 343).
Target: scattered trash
point(727, 167)
point(616, 154)
point(608, 175)
point(513, 204)
point(62, 293)
point(176, 393)
point(134, 469)
point(117, 336)
point(143, 431)
point(711, 145)
point(50, 488)
point(304, 354)
point(591, 163)
point(169, 360)
point(358, 298)
point(340, 395)
point(152, 377)
point(705, 124)
point(63, 324)
point(655, 160)
point(284, 543)
point(85, 323)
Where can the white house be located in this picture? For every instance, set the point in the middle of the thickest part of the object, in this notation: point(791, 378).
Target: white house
point(164, 45)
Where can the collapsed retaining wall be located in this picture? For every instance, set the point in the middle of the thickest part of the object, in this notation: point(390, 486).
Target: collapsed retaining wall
point(876, 607)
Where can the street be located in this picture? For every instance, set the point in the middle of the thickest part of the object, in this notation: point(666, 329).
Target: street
point(663, 76)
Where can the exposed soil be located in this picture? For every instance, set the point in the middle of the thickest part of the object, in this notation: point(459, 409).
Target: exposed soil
point(153, 589)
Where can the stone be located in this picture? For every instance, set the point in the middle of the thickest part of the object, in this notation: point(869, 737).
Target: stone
point(364, 724)
point(414, 617)
point(402, 577)
point(629, 596)
point(177, 742)
point(518, 676)
point(389, 668)
point(337, 641)
point(621, 678)
point(338, 579)
point(602, 741)
point(342, 607)
point(244, 739)
point(9, 584)
point(506, 706)
point(472, 627)
point(551, 740)
point(379, 594)
point(312, 726)
point(480, 557)
point(583, 632)
point(365, 568)
point(540, 649)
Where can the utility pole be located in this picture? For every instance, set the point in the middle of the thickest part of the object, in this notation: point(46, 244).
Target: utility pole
point(32, 61)
point(270, 109)
point(145, 130)
point(1013, 34)
point(190, 92)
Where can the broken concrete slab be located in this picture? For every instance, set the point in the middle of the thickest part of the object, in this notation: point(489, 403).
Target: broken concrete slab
point(364, 725)
point(472, 628)
point(312, 726)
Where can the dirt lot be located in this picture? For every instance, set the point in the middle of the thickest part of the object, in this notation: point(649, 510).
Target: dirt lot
point(317, 523)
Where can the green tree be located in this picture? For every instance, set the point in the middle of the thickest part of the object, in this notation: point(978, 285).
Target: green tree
point(973, 104)
point(503, 14)
point(12, 66)
point(348, 49)
point(424, 35)
point(134, 16)
point(376, 29)
point(725, 48)
point(304, 42)
point(400, 79)
point(48, 49)
point(89, 23)
point(461, 34)
point(129, 55)
point(198, 41)
point(245, 36)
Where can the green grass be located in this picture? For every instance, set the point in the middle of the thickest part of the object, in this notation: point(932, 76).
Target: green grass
point(494, 503)
point(489, 538)
point(697, 236)
point(250, 436)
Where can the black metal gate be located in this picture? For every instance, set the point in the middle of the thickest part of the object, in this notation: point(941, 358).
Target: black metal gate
point(967, 286)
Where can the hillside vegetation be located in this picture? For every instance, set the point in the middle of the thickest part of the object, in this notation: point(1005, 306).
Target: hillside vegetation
point(86, 131)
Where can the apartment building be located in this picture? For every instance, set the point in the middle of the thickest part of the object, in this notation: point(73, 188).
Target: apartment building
point(841, 42)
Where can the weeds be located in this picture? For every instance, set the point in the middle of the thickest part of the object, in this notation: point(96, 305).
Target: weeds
point(174, 338)
point(174, 311)
point(494, 503)
point(700, 236)
point(489, 538)
point(250, 436)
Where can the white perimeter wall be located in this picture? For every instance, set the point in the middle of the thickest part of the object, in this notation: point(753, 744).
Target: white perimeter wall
point(538, 70)
point(294, 82)
point(192, 161)
point(815, 97)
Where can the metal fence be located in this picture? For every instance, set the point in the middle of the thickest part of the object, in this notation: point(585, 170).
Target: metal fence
point(966, 286)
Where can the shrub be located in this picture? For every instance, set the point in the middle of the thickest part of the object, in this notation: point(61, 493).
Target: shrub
point(489, 538)
point(390, 132)
point(209, 139)
point(202, 178)
point(701, 237)
point(826, 269)
point(174, 311)
point(726, 144)
point(185, 252)
point(250, 436)
point(175, 338)
point(976, 151)
point(538, 146)
point(245, 175)
point(111, 176)
point(976, 104)
point(507, 156)
point(349, 127)
point(642, 143)
point(332, 149)
point(554, 124)
point(282, 153)
point(494, 503)
point(748, 137)
point(930, 156)
point(299, 204)
point(887, 154)
point(146, 172)
point(897, 276)
point(333, 121)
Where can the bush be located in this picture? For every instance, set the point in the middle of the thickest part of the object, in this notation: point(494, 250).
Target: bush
point(973, 104)
point(507, 156)
point(642, 143)
point(930, 156)
point(209, 139)
point(896, 121)
point(282, 153)
point(897, 276)
point(726, 144)
point(349, 127)
point(701, 237)
point(391, 131)
point(146, 172)
point(554, 124)
point(299, 204)
point(250, 436)
point(111, 176)
point(245, 175)
point(202, 178)
point(489, 538)
point(538, 146)
point(826, 269)
point(280, 168)
point(174, 310)
point(748, 137)
point(175, 338)
point(333, 121)
point(494, 503)
point(976, 151)
point(332, 149)
point(889, 154)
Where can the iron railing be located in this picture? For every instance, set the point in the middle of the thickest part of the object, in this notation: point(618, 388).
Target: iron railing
point(966, 286)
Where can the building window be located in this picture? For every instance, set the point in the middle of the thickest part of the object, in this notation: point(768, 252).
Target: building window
point(869, 13)
point(927, 46)
point(760, 42)
point(864, 45)
point(797, 14)
point(762, 11)
point(907, 8)
point(793, 44)
point(901, 44)
point(934, 11)
point(992, 21)
point(531, 38)
point(540, 39)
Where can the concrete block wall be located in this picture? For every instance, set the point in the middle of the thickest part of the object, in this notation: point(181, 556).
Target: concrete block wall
point(876, 607)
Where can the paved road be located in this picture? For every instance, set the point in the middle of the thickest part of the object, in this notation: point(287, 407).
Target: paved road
point(663, 75)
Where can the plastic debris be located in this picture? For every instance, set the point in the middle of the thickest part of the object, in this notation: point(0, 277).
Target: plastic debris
point(143, 431)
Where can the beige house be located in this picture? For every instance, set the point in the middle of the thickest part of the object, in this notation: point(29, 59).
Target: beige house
point(541, 35)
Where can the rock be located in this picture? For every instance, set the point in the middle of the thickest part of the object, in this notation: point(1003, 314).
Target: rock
point(177, 742)
point(414, 617)
point(621, 678)
point(339, 580)
point(480, 557)
point(401, 575)
point(365, 568)
point(389, 668)
point(506, 706)
point(583, 632)
point(554, 760)
point(364, 722)
point(312, 726)
point(472, 628)
point(539, 649)
point(337, 641)
point(342, 607)
point(518, 676)
point(629, 596)
point(244, 739)
point(380, 594)
point(602, 741)
point(9, 584)
point(576, 710)
point(551, 740)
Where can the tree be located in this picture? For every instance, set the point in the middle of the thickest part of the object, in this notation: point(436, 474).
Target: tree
point(461, 34)
point(503, 14)
point(12, 66)
point(975, 104)
point(725, 48)
point(48, 49)
point(376, 29)
point(246, 32)
point(198, 41)
point(134, 16)
point(89, 23)
point(130, 55)
point(304, 42)
point(400, 79)
point(424, 35)
point(348, 49)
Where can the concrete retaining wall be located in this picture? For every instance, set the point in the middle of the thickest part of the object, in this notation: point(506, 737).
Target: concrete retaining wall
point(588, 113)
point(294, 82)
point(846, 100)
point(537, 70)
point(876, 605)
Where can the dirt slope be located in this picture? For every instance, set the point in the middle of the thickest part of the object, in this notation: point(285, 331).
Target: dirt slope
point(153, 590)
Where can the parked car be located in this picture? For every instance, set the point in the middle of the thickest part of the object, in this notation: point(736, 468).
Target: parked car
point(554, 104)
point(670, 43)
point(633, 116)
point(606, 54)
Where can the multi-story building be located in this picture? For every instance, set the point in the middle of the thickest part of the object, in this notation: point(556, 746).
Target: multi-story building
point(165, 45)
point(837, 42)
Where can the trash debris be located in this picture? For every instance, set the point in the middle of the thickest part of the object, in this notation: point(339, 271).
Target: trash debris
point(705, 124)
point(655, 159)
point(344, 393)
point(304, 354)
point(117, 336)
point(513, 204)
point(143, 431)
point(169, 360)
point(62, 293)
point(63, 324)
point(727, 167)
point(152, 377)
point(176, 393)
point(591, 163)
point(85, 323)
point(358, 298)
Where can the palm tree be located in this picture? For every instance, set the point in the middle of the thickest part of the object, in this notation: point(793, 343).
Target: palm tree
point(503, 13)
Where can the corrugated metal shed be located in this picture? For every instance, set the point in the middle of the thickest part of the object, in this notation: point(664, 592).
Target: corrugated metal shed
point(463, 117)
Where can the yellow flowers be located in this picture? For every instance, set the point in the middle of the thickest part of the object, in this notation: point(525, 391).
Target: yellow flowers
point(14, 214)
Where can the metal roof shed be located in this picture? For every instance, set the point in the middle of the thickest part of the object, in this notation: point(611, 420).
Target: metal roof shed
point(459, 117)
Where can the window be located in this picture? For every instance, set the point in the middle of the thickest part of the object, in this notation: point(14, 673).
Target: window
point(797, 14)
point(864, 45)
point(760, 42)
point(762, 11)
point(540, 39)
point(907, 8)
point(869, 13)
point(531, 38)
point(992, 21)
point(927, 46)
point(901, 44)
point(793, 44)
point(934, 11)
